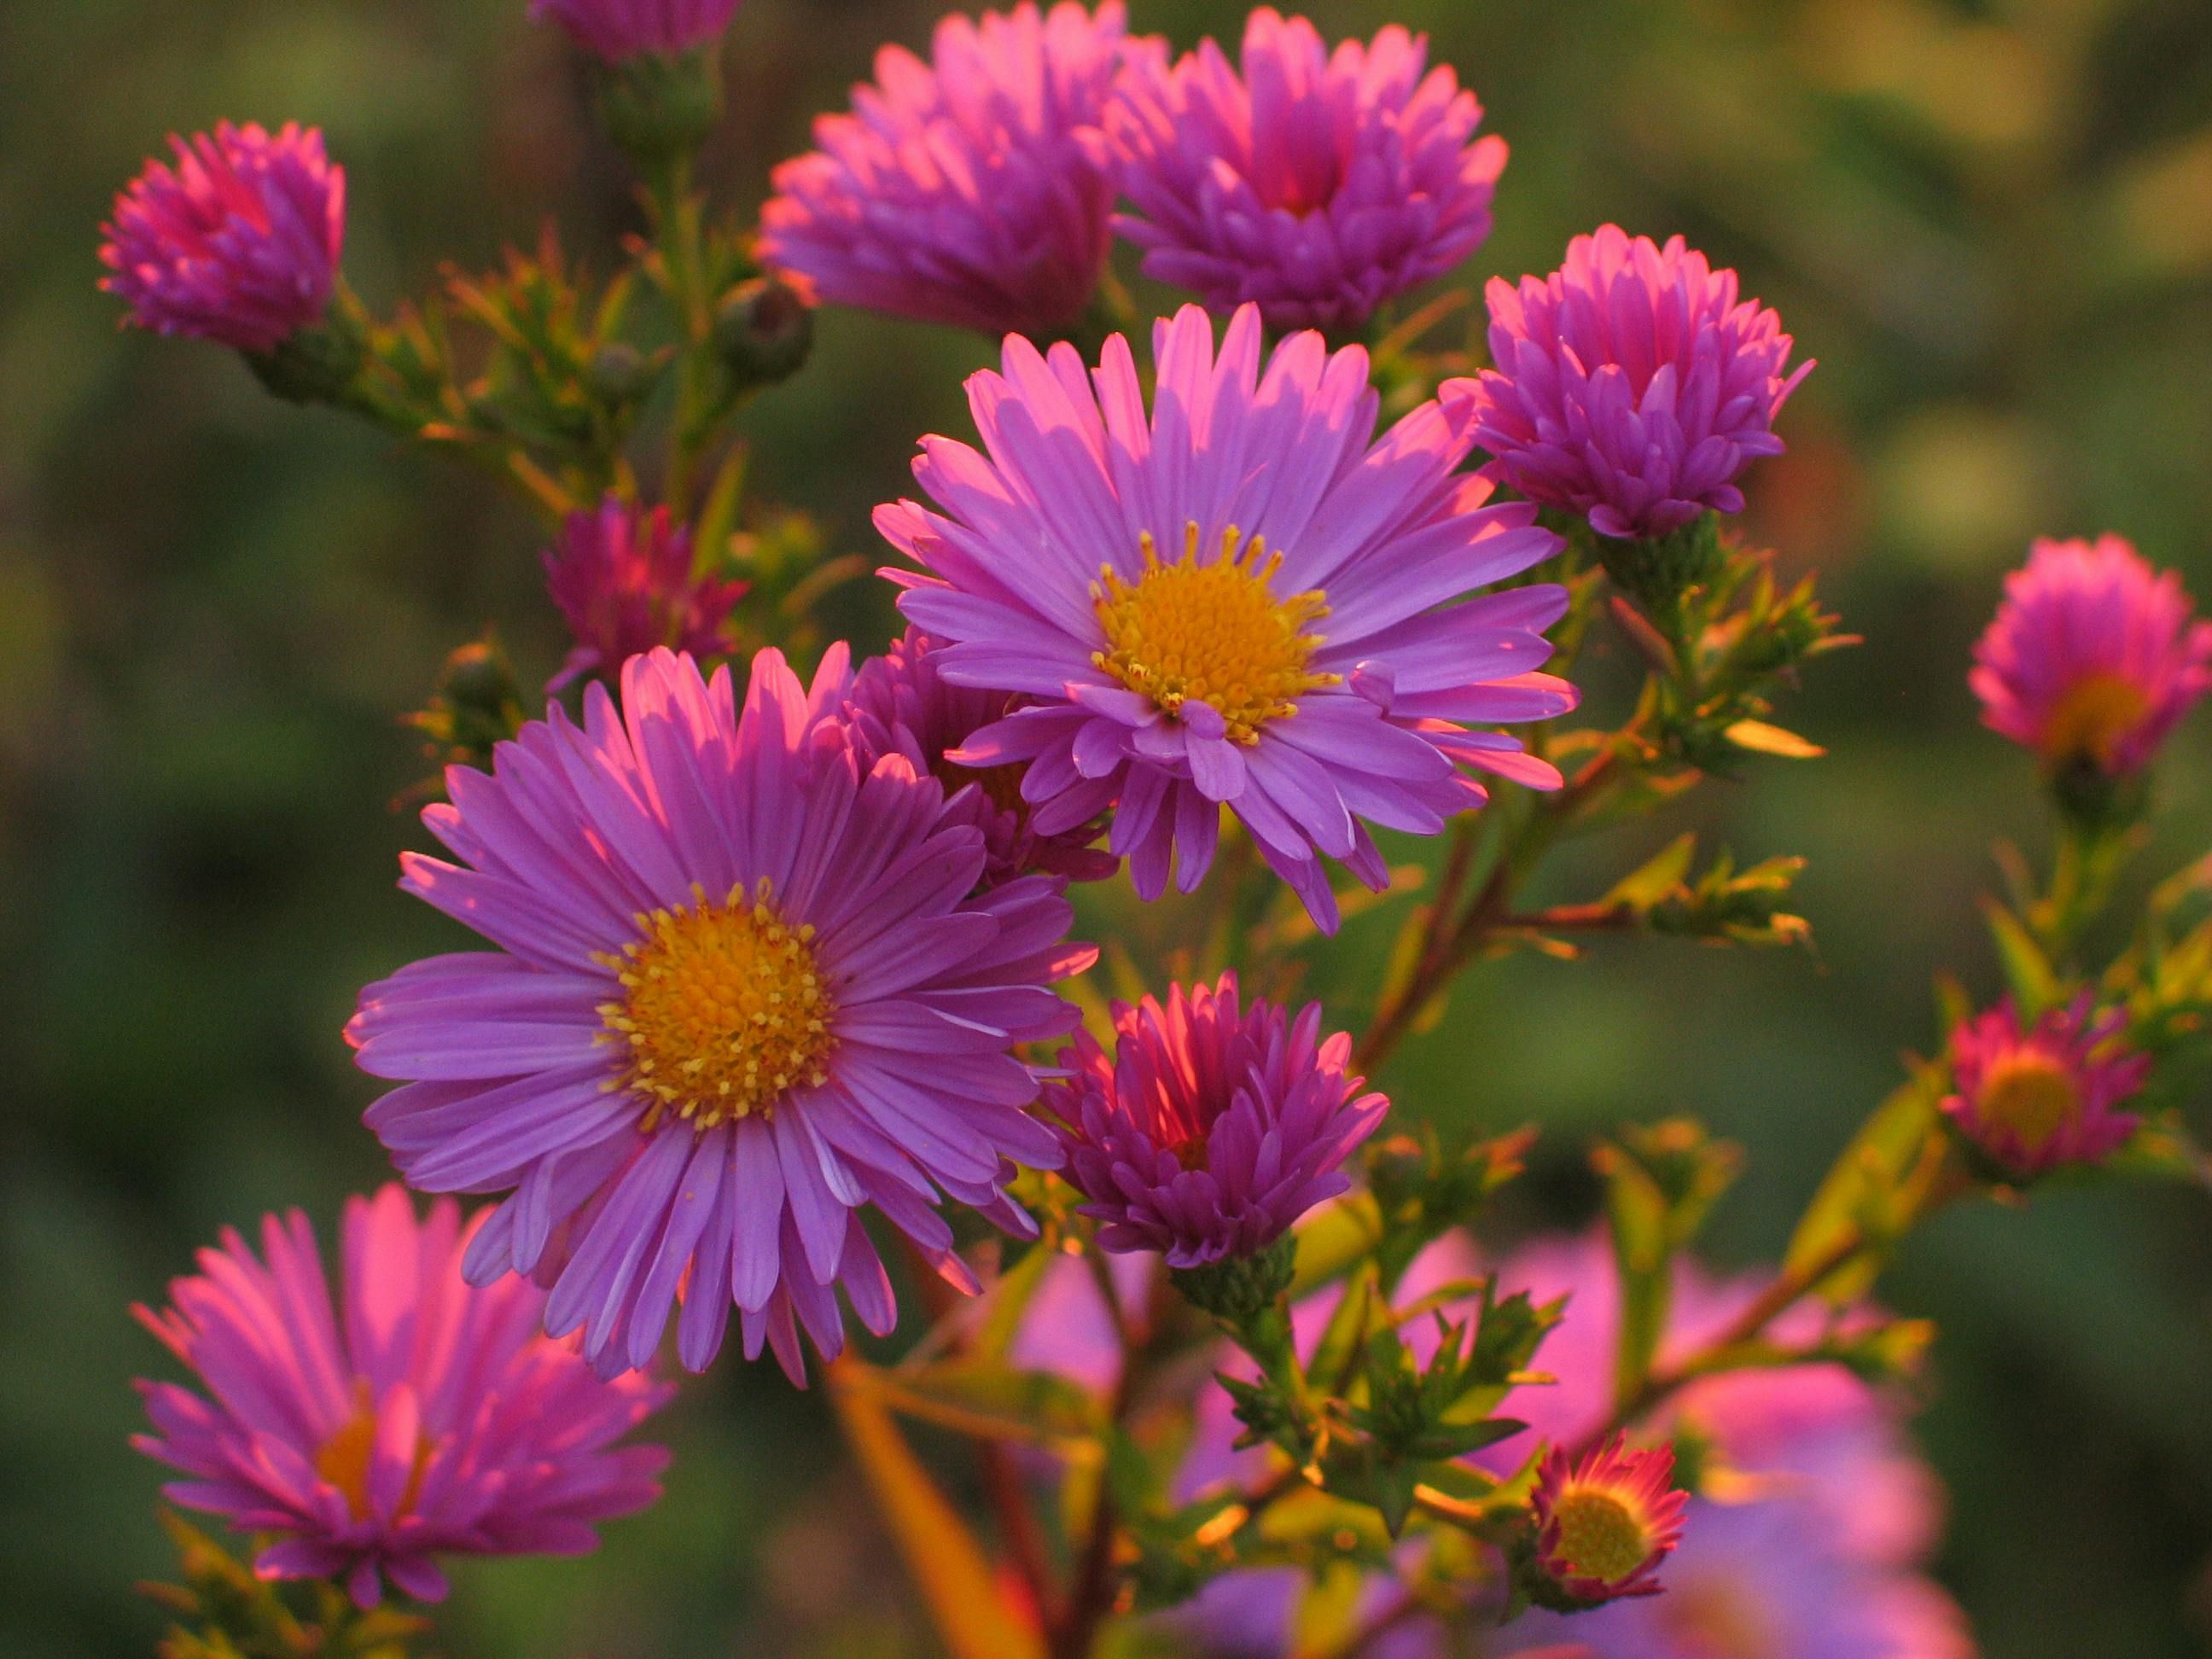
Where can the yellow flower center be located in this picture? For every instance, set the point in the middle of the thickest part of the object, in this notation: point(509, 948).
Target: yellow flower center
point(1599, 1536)
point(344, 1459)
point(2032, 1097)
point(723, 1010)
point(1212, 633)
point(2094, 718)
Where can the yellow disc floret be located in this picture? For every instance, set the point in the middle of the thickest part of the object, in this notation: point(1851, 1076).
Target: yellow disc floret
point(2092, 718)
point(1599, 1536)
point(343, 1459)
point(2031, 1095)
point(1212, 633)
point(723, 1009)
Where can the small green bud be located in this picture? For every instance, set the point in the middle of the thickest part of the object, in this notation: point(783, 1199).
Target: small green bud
point(764, 330)
point(317, 364)
point(618, 374)
point(655, 106)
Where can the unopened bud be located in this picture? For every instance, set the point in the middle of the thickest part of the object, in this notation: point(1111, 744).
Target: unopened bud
point(764, 329)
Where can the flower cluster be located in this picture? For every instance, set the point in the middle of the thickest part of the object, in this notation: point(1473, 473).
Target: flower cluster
point(622, 580)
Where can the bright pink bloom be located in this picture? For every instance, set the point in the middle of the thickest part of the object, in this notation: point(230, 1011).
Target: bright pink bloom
point(615, 29)
point(1211, 1126)
point(2036, 1098)
point(622, 579)
point(239, 243)
point(1241, 598)
point(969, 190)
point(743, 990)
point(2092, 657)
point(1631, 385)
point(420, 1417)
point(902, 705)
point(1317, 185)
point(1605, 1520)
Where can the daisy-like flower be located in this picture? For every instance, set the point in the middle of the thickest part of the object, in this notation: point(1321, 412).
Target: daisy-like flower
point(1316, 184)
point(1211, 1126)
point(420, 1416)
point(616, 29)
point(743, 990)
point(2092, 657)
point(1239, 599)
point(622, 579)
point(1631, 384)
point(1606, 1520)
point(2036, 1098)
point(969, 190)
point(902, 705)
point(239, 243)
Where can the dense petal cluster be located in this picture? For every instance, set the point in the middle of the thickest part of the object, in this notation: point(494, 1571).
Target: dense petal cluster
point(1316, 184)
point(1631, 385)
point(2092, 657)
point(2036, 1097)
point(418, 1416)
point(743, 990)
point(615, 29)
point(622, 579)
point(1238, 599)
point(1606, 1520)
point(239, 243)
point(1211, 1126)
point(902, 705)
point(969, 190)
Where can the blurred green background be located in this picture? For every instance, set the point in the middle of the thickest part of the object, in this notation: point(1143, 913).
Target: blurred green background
point(1991, 221)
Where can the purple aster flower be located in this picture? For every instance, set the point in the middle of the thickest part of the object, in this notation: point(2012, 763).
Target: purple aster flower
point(969, 190)
point(1316, 185)
point(902, 705)
point(2036, 1098)
point(1239, 599)
point(743, 990)
point(1631, 385)
point(238, 244)
point(1213, 1127)
point(615, 29)
point(623, 578)
point(420, 1416)
point(2092, 659)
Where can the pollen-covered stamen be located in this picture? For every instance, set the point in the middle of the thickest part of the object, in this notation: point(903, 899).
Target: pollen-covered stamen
point(723, 1009)
point(2092, 718)
point(2033, 1096)
point(1211, 632)
point(1599, 1536)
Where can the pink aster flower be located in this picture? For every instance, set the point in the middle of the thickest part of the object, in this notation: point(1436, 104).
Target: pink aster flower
point(2092, 659)
point(969, 190)
point(743, 990)
point(1318, 184)
point(420, 1416)
point(2035, 1099)
point(1211, 1126)
point(1631, 385)
point(238, 244)
point(615, 29)
point(622, 579)
point(1605, 1520)
point(1239, 599)
point(902, 705)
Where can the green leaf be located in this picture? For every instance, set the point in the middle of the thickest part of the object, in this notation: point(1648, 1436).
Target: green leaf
point(1660, 876)
point(1867, 1180)
point(993, 1401)
point(2034, 982)
point(1761, 739)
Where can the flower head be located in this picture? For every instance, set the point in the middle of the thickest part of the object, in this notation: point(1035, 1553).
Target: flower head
point(1631, 385)
point(1239, 599)
point(239, 243)
point(2092, 659)
point(902, 705)
point(2035, 1099)
point(969, 190)
point(1606, 1520)
point(615, 29)
point(1316, 184)
point(419, 1416)
point(743, 990)
point(1213, 1127)
point(622, 579)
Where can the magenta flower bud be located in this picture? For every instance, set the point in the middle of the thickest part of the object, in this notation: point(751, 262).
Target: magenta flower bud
point(616, 29)
point(2092, 659)
point(1213, 1127)
point(622, 579)
point(1605, 1521)
point(1316, 185)
point(239, 243)
point(2034, 1099)
point(1632, 385)
point(969, 190)
point(417, 1416)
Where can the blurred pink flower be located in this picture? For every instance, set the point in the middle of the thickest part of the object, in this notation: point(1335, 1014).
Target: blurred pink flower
point(622, 579)
point(615, 29)
point(2035, 1099)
